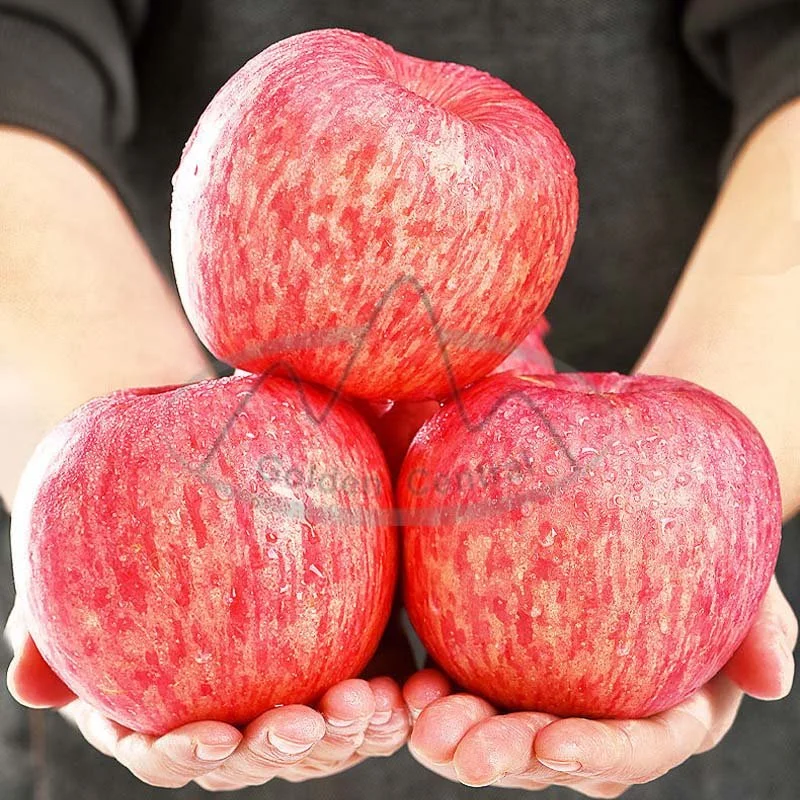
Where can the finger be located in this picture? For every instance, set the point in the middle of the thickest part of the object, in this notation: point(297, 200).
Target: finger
point(423, 688)
point(15, 631)
point(169, 761)
point(636, 751)
point(100, 731)
point(31, 681)
point(601, 789)
point(501, 746)
point(390, 726)
point(347, 709)
point(763, 665)
point(443, 724)
point(276, 741)
point(588, 788)
point(307, 770)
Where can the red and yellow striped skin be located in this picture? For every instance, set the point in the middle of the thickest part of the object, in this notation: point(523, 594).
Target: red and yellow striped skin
point(206, 552)
point(587, 545)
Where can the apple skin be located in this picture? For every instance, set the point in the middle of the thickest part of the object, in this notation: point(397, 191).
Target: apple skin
point(587, 545)
point(396, 424)
point(351, 211)
point(167, 581)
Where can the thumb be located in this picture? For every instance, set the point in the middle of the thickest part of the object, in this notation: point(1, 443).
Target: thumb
point(30, 680)
point(763, 666)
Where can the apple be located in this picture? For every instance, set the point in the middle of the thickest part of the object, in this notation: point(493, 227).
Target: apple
point(206, 551)
point(588, 545)
point(378, 223)
point(396, 424)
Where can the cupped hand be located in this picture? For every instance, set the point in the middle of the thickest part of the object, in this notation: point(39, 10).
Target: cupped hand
point(354, 720)
point(463, 738)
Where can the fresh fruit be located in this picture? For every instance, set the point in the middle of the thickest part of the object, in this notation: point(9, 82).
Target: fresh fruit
point(375, 221)
point(587, 545)
point(396, 424)
point(206, 552)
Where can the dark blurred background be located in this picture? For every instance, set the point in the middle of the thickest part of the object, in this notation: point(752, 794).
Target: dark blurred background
point(648, 129)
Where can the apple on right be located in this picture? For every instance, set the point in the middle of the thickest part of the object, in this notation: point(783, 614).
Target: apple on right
point(591, 545)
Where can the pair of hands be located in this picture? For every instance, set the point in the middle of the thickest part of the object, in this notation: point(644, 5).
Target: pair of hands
point(456, 735)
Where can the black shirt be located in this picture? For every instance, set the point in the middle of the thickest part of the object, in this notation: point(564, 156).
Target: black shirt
point(654, 98)
point(638, 88)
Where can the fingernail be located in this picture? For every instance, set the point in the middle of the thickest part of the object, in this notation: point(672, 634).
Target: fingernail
point(381, 717)
point(339, 723)
point(214, 752)
point(561, 766)
point(286, 746)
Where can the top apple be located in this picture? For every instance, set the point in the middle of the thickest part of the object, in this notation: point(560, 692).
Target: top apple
point(376, 223)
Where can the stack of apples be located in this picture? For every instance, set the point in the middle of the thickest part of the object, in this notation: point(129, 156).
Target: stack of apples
point(373, 239)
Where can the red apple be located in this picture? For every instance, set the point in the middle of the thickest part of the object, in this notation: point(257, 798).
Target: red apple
point(587, 545)
point(377, 222)
point(205, 552)
point(396, 424)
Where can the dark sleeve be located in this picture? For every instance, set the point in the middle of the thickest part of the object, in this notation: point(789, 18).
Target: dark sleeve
point(66, 70)
point(751, 50)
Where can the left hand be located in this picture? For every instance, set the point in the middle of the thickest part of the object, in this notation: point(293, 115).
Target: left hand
point(354, 720)
point(461, 737)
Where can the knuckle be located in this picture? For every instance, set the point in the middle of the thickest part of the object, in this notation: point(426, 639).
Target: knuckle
point(214, 783)
point(264, 757)
point(161, 779)
point(604, 790)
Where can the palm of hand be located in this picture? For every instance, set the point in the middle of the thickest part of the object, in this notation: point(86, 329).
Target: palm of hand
point(463, 738)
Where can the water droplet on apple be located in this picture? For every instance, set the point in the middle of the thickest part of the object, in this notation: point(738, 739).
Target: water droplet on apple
point(312, 533)
point(223, 490)
point(548, 538)
point(623, 649)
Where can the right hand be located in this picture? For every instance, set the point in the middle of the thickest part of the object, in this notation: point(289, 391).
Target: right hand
point(354, 720)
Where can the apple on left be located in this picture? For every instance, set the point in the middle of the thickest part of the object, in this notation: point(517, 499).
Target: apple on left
point(206, 551)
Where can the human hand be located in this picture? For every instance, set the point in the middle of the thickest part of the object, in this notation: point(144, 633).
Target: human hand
point(354, 720)
point(463, 738)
